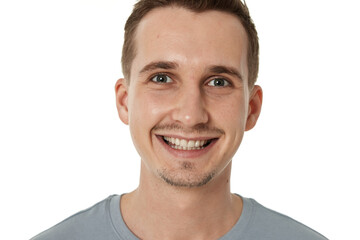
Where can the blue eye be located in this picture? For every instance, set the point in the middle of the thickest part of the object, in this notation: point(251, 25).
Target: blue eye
point(218, 82)
point(161, 78)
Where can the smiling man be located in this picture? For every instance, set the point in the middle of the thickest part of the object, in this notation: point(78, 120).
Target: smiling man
point(188, 96)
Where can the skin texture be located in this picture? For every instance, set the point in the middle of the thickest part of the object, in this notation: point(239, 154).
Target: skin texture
point(186, 194)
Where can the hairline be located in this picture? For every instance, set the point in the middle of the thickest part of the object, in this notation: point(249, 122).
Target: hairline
point(177, 5)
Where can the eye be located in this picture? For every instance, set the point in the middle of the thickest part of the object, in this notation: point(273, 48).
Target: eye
point(161, 78)
point(219, 82)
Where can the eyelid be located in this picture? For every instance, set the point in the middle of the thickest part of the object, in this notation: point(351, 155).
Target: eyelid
point(160, 73)
point(227, 84)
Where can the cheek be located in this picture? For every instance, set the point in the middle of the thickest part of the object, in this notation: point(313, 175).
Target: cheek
point(140, 105)
point(231, 117)
point(140, 121)
point(157, 105)
point(230, 112)
point(146, 110)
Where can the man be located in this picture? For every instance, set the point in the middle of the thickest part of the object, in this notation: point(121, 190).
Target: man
point(188, 96)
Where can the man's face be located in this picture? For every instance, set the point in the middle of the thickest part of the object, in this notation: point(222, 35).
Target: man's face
point(187, 103)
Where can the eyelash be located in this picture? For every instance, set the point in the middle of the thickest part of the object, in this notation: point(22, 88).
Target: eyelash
point(226, 82)
point(163, 75)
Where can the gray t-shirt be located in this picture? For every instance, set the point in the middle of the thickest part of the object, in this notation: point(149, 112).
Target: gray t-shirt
point(103, 221)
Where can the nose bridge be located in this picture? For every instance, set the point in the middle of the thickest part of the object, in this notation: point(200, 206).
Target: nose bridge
point(190, 107)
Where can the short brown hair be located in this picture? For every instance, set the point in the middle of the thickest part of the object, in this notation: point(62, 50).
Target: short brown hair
point(235, 7)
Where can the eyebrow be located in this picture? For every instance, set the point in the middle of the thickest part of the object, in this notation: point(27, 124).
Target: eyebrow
point(218, 69)
point(159, 65)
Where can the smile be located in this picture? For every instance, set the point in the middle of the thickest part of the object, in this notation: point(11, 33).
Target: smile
point(183, 144)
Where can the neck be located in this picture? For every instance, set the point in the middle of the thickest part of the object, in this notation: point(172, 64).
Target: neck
point(157, 210)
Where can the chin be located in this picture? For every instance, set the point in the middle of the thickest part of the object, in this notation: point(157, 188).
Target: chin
point(185, 178)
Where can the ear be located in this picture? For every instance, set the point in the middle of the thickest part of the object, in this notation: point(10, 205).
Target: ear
point(121, 91)
point(255, 103)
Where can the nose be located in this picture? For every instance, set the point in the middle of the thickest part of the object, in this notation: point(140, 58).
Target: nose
point(190, 107)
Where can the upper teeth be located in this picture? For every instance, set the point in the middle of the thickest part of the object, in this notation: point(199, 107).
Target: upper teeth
point(185, 144)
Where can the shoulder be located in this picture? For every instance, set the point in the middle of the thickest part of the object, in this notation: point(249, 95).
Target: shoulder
point(278, 226)
point(91, 223)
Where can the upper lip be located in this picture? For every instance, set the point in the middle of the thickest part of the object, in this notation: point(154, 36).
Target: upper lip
point(188, 138)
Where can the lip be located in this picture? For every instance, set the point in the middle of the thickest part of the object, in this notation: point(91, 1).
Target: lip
point(187, 153)
point(187, 138)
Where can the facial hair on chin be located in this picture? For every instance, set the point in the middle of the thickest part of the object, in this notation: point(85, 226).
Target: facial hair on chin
point(185, 179)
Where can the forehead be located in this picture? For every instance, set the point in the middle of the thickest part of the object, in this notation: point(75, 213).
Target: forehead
point(191, 39)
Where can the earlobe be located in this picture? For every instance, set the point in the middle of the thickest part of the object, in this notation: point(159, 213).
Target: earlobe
point(121, 91)
point(255, 103)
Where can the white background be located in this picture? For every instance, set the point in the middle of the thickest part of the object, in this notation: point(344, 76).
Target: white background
point(63, 148)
